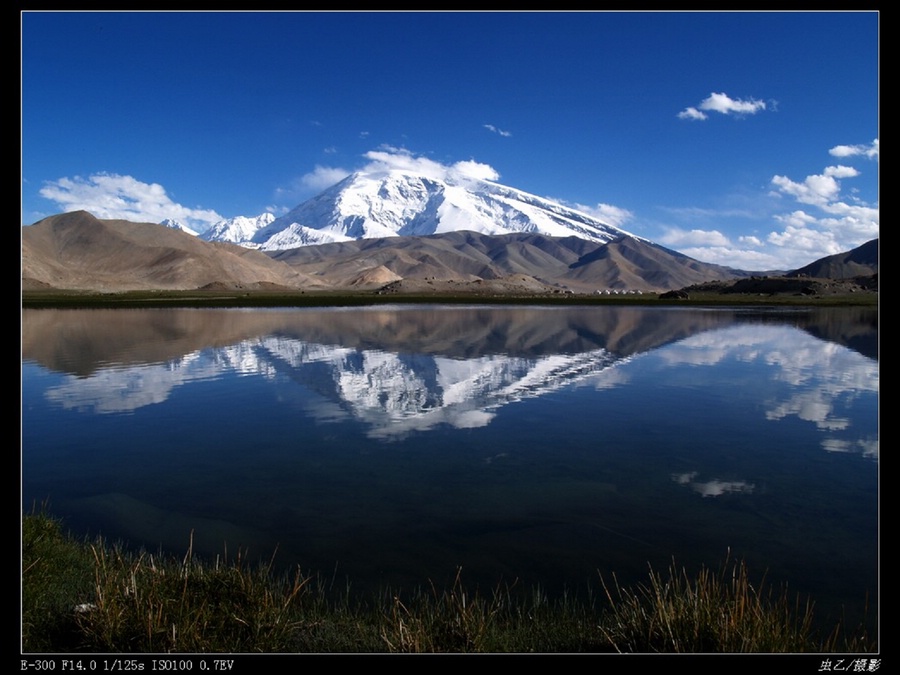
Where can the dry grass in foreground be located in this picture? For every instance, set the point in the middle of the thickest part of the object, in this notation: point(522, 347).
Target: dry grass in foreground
point(88, 596)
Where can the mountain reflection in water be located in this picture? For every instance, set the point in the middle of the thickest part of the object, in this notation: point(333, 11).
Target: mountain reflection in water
point(398, 443)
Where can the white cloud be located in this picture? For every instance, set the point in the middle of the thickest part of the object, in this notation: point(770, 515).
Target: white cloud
point(276, 210)
point(818, 189)
point(842, 223)
point(841, 171)
point(805, 238)
point(837, 445)
point(309, 184)
point(472, 169)
point(724, 104)
point(674, 236)
point(322, 177)
point(697, 212)
point(715, 247)
point(828, 220)
point(113, 197)
point(870, 151)
point(385, 159)
point(853, 220)
point(869, 447)
point(742, 258)
point(796, 219)
point(491, 127)
point(691, 113)
point(827, 223)
point(614, 215)
point(390, 158)
point(805, 235)
point(801, 237)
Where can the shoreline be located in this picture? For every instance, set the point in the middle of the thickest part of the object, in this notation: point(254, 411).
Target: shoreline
point(242, 298)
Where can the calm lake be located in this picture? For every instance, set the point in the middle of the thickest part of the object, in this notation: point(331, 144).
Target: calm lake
point(392, 445)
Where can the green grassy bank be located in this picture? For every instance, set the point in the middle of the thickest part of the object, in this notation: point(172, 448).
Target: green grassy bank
point(92, 596)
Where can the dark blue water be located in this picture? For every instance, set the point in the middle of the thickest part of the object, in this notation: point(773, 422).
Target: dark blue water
point(395, 445)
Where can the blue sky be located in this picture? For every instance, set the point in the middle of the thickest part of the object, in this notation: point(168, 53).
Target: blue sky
point(744, 139)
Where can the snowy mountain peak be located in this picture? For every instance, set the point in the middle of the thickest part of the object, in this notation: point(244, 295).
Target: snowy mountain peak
point(389, 202)
point(238, 230)
point(175, 225)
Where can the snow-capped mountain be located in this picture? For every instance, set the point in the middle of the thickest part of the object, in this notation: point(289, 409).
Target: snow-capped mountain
point(238, 230)
point(392, 202)
point(175, 225)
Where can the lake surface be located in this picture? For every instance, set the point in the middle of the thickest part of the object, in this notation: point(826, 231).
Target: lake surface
point(392, 445)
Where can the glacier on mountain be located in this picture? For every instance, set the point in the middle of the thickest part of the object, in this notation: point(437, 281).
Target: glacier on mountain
point(238, 230)
point(394, 202)
point(173, 224)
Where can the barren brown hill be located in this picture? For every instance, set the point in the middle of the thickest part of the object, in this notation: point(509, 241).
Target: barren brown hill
point(861, 261)
point(531, 261)
point(78, 251)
